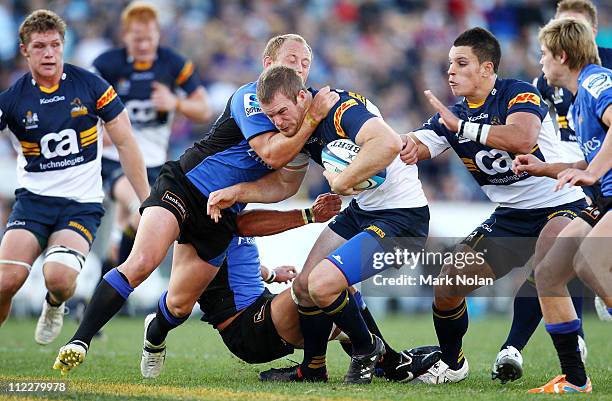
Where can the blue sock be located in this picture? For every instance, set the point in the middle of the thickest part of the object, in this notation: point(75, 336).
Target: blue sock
point(610, 311)
point(346, 314)
point(450, 327)
point(164, 322)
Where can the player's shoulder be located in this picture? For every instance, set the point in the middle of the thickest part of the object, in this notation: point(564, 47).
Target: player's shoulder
point(512, 85)
point(605, 54)
point(16, 91)
point(167, 54)
point(111, 57)
point(244, 101)
point(595, 79)
point(74, 72)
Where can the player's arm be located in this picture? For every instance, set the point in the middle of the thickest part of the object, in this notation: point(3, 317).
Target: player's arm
point(600, 165)
point(120, 131)
point(195, 106)
point(518, 135)
point(276, 150)
point(530, 164)
point(261, 222)
point(271, 188)
point(379, 143)
point(280, 274)
point(413, 150)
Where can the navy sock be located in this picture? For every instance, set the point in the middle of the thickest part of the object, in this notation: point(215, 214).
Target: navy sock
point(565, 338)
point(164, 322)
point(391, 356)
point(450, 327)
point(107, 300)
point(126, 244)
point(345, 313)
point(526, 317)
point(315, 326)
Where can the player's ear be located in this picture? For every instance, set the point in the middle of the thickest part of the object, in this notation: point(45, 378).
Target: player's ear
point(563, 57)
point(487, 69)
point(267, 61)
point(23, 50)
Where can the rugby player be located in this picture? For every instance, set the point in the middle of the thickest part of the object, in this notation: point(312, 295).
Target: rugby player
point(52, 112)
point(496, 119)
point(527, 313)
point(147, 78)
point(570, 60)
point(342, 255)
point(242, 145)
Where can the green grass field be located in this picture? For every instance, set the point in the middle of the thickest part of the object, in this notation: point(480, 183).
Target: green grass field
point(198, 366)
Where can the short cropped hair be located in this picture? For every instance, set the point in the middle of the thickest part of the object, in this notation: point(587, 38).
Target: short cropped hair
point(138, 11)
point(279, 79)
point(484, 45)
point(584, 7)
point(41, 21)
point(274, 44)
point(573, 37)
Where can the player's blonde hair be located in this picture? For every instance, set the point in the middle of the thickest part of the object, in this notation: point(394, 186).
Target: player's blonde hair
point(138, 11)
point(584, 7)
point(41, 21)
point(279, 79)
point(274, 44)
point(574, 38)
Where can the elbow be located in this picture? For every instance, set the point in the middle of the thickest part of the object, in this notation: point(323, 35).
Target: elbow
point(524, 147)
point(391, 148)
point(272, 161)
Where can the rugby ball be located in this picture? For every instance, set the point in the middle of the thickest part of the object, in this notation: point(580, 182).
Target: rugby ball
point(340, 153)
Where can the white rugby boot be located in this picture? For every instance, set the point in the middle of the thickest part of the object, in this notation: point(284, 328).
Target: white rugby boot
point(508, 365)
point(49, 323)
point(441, 373)
point(153, 356)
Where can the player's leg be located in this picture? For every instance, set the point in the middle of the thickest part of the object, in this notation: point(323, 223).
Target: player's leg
point(18, 250)
point(552, 275)
point(128, 204)
point(189, 277)
point(63, 261)
point(159, 229)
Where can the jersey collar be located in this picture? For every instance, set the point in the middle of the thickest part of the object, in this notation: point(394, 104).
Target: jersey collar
point(479, 104)
point(51, 89)
point(139, 66)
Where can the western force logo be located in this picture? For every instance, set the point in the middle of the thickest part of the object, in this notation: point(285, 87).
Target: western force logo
point(77, 108)
point(30, 120)
point(597, 83)
point(53, 99)
point(251, 104)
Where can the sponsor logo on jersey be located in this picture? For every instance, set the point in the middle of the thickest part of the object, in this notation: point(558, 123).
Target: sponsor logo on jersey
point(106, 98)
point(377, 230)
point(525, 97)
point(30, 120)
point(261, 314)
point(338, 116)
point(597, 83)
point(481, 116)
point(80, 228)
point(176, 202)
point(251, 105)
point(590, 146)
point(56, 98)
point(142, 76)
point(77, 108)
point(15, 223)
point(123, 86)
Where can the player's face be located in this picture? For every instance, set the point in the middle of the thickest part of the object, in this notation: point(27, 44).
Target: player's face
point(296, 56)
point(142, 39)
point(552, 67)
point(45, 54)
point(284, 114)
point(465, 72)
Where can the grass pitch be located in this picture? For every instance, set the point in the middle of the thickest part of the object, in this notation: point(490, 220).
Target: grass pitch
point(199, 367)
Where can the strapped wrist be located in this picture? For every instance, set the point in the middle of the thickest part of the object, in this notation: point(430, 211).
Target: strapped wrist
point(308, 216)
point(474, 131)
point(271, 276)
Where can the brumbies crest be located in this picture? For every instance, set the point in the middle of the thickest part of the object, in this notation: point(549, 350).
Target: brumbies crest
point(77, 108)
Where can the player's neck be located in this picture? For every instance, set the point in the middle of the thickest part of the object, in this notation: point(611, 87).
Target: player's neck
point(481, 93)
point(48, 82)
point(572, 81)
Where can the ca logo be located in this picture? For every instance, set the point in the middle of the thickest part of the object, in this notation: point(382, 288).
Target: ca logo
point(501, 161)
point(141, 111)
point(59, 144)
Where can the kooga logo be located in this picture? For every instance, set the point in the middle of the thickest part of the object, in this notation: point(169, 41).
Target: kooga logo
point(54, 99)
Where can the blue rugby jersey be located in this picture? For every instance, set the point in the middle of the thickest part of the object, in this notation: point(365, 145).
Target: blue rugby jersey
point(560, 100)
point(133, 82)
point(55, 132)
point(237, 284)
point(490, 167)
point(594, 96)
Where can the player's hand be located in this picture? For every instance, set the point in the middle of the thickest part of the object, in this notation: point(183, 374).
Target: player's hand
point(321, 104)
point(326, 206)
point(529, 164)
point(219, 200)
point(410, 150)
point(574, 176)
point(447, 117)
point(162, 97)
point(285, 274)
point(332, 179)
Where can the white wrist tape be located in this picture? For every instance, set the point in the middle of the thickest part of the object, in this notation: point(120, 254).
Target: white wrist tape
point(474, 131)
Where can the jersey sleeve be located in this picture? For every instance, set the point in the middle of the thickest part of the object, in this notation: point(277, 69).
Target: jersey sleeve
point(349, 116)
point(185, 75)
point(248, 115)
point(108, 104)
point(524, 97)
point(599, 86)
point(3, 110)
point(433, 135)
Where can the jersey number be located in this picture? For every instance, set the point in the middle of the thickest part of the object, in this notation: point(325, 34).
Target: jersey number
point(59, 144)
point(501, 161)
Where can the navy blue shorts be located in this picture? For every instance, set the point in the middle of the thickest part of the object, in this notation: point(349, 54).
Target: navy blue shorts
point(44, 215)
point(112, 171)
point(371, 232)
point(508, 237)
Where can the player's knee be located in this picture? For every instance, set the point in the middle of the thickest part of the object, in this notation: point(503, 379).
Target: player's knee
point(323, 287)
point(177, 306)
point(300, 288)
point(9, 283)
point(57, 282)
point(582, 267)
point(138, 267)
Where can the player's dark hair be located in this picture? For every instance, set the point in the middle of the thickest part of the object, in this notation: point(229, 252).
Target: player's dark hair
point(279, 79)
point(41, 21)
point(484, 45)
